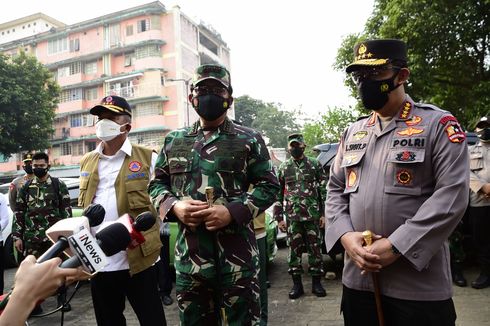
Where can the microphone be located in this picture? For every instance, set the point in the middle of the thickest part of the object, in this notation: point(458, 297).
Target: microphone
point(143, 222)
point(91, 253)
point(93, 215)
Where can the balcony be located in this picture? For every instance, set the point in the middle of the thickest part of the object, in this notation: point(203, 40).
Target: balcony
point(137, 91)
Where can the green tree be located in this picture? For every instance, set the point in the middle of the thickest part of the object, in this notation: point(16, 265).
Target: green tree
point(449, 51)
point(28, 99)
point(270, 119)
point(328, 127)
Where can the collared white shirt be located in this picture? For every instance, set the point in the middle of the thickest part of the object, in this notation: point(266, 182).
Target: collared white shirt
point(105, 195)
point(4, 214)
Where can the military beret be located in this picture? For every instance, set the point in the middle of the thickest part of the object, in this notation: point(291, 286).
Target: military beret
point(483, 123)
point(113, 103)
point(212, 71)
point(296, 138)
point(373, 53)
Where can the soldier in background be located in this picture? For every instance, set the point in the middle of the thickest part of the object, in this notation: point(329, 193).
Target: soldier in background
point(303, 189)
point(41, 202)
point(18, 182)
point(216, 255)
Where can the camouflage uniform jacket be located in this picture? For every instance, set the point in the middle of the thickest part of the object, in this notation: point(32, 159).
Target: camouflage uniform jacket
point(231, 160)
point(42, 209)
point(303, 187)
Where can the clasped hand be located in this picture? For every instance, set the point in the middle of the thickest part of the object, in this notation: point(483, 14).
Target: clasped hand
point(368, 258)
point(194, 212)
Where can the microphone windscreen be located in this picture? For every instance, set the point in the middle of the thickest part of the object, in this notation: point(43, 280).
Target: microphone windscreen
point(144, 221)
point(95, 214)
point(113, 238)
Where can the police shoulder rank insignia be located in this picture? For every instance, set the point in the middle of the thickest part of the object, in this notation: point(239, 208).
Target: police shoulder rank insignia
point(410, 131)
point(453, 130)
point(134, 166)
point(405, 112)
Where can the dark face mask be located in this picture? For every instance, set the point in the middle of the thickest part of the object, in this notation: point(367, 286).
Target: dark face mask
point(28, 169)
point(210, 106)
point(296, 152)
point(40, 172)
point(374, 93)
point(484, 134)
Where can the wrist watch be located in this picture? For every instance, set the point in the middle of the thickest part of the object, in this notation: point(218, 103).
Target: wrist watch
point(394, 250)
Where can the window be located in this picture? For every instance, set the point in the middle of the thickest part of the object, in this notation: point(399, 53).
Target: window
point(81, 120)
point(90, 94)
point(129, 30)
point(71, 95)
point(65, 149)
point(75, 68)
point(151, 138)
point(150, 108)
point(63, 71)
point(114, 35)
point(124, 89)
point(75, 45)
point(77, 149)
point(143, 25)
point(148, 51)
point(155, 22)
point(57, 46)
point(129, 59)
point(90, 68)
point(91, 146)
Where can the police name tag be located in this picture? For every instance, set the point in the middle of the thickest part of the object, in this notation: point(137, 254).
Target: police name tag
point(85, 246)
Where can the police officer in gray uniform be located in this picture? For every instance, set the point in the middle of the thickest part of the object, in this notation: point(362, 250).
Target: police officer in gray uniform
point(402, 173)
point(480, 200)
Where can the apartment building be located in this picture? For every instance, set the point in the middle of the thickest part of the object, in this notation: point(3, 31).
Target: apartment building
point(146, 54)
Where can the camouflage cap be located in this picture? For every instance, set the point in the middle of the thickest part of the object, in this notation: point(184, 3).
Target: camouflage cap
point(296, 138)
point(483, 123)
point(27, 157)
point(375, 53)
point(212, 71)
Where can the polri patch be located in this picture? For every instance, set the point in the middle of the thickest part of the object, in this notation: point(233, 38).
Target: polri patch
point(453, 130)
point(134, 166)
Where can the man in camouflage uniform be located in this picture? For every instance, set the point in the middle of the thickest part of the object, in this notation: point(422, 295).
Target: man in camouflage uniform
point(216, 255)
point(303, 188)
point(18, 182)
point(41, 202)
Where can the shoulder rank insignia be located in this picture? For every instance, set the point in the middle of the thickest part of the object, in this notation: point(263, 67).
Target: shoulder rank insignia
point(405, 111)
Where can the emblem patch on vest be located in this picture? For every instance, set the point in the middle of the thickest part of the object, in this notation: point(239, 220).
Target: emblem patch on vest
point(134, 166)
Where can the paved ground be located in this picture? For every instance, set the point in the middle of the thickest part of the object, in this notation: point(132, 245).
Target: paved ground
point(472, 305)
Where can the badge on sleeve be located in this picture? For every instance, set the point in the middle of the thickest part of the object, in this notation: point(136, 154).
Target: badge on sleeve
point(453, 130)
point(351, 178)
point(134, 166)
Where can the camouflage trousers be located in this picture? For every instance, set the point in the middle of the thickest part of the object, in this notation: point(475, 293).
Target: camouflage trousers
point(217, 291)
point(456, 250)
point(304, 237)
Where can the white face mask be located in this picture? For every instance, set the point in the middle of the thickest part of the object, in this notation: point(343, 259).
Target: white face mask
point(106, 129)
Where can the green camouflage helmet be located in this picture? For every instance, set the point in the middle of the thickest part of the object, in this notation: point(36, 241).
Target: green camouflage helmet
point(212, 71)
point(296, 138)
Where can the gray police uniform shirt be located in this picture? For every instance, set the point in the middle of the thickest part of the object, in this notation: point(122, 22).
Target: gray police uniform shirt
point(409, 183)
point(480, 173)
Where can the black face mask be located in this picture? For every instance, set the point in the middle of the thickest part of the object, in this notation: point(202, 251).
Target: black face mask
point(484, 134)
point(374, 93)
point(297, 152)
point(28, 169)
point(40, 172)
point(210, 106)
